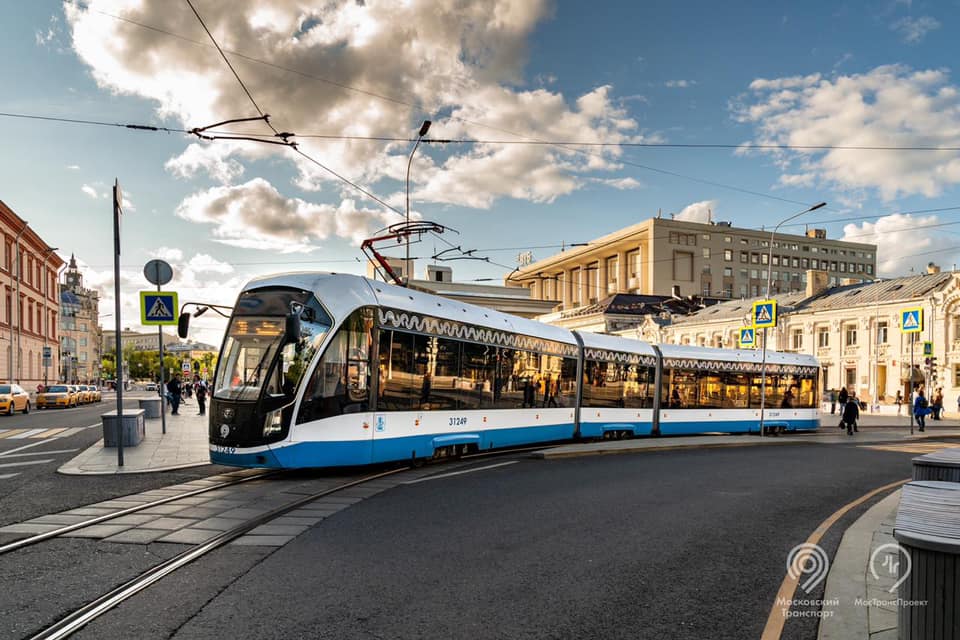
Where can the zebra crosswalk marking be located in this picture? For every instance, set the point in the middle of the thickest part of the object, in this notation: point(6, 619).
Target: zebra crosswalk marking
point(10, 433)
point(912, 447)
point(31, 433)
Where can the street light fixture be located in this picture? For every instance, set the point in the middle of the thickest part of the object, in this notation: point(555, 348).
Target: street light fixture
point(423, 131)
point(763, 358)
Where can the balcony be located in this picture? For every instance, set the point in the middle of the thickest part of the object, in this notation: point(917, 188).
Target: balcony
point(851, 351)
point(823, 352)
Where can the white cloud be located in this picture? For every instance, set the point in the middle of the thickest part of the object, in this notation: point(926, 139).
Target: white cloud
point(698, 211)
point(168, 253)
point(900, 238)
point(888, 106)
point(455, 60)
point(619, 183)
point(90, 191)
point(679, 84)
point(73, 167)
point(914, 30)
point(255, 215)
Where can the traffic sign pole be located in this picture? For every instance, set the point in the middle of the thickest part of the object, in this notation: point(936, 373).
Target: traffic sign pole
point(159, 273)
point(911, 385)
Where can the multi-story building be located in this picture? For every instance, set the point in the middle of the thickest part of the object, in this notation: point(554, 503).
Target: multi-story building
point(29, 306)
point(665, 257)
point(79, 329)
point(854, 330)
point(137, 341)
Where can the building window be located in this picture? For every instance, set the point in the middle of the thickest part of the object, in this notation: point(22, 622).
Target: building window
point(843, 267)
point(814, 263)
point(833, 266)
point(706, 253)
point(743, 291)
point(728, 272)
point(776, 261)
point(727, 239)
point(744, 257)
point(613, 274)
point(823, 337)
point(682, 266)
point(882, 332)
point(796, 263)
point(850, 377)
point(728, 255)
point(754, 258)
point(805, 263)
point(764, 258)
point(870, 269)
point(756, 290)
point(796, 339)
point(744, 241)
point(850, 335)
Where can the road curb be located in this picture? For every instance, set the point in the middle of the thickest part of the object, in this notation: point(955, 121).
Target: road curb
point(550, 454)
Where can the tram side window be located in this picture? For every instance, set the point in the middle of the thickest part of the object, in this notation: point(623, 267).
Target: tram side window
point(680, 390)
point(340, 383)
point(603, 384)
point(567, 395)
point(477, 366)
point(638, 387)
point(735, 390)
point(441, 382)
point(711, 389)
point(396, 389)
point(508, 392)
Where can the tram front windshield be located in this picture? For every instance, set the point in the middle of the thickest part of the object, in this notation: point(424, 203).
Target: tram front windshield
point(255, 360)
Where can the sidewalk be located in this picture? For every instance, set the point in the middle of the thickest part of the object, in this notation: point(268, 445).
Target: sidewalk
point(863, 606)
point(185, 444)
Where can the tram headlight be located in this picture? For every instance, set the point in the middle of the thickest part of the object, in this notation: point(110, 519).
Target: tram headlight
point(273, 423)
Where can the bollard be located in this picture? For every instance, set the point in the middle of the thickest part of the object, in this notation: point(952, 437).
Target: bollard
point(131, 423)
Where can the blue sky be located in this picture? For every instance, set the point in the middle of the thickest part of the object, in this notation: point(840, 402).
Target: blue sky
point(816, 73)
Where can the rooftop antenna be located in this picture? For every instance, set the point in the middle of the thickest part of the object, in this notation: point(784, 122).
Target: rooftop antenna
point(709, 216)
point(659, 212)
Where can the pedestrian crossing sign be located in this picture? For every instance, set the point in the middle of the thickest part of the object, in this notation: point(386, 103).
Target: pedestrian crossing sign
point(158, 307)
point(764, 314)
point(748, 337)
point(911, 320)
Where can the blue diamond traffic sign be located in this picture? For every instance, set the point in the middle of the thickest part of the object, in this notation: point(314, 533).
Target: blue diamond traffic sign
point(747, 337)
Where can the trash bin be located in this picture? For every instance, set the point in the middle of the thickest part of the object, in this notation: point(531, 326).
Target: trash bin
point(133, 427)
point(151, 407)
point(928, 530)
point(939, 465)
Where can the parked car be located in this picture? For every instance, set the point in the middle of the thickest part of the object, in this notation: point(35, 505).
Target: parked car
point(95, 393)
point(13, 398)
point(150, 386)
point(56, 396)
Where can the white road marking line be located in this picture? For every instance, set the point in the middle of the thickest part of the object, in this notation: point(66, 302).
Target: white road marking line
point(36, 453)
point(457, 473)
point(24, 464)
point(8, 475)
point(27, 434)
point(26, 446)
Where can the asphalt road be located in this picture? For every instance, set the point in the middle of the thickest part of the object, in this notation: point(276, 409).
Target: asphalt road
point(676, 544)
point(29, 484)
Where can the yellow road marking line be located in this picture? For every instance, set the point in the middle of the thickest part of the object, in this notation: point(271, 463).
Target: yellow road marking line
point(12, 432)
point(919, 447)
point(788, 587)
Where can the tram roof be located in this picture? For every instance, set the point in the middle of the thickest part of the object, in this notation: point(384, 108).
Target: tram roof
point(343, 293)
point(736, 355)
point(615, 343)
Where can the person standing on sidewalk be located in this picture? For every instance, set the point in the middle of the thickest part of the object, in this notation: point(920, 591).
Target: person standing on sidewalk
point(921, 409)
point(899, 401)
point(833, 401)
point(201, 391)
point(851, 413)
point(173, 388)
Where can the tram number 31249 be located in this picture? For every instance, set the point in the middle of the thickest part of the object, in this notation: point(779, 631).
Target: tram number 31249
point(458, 422)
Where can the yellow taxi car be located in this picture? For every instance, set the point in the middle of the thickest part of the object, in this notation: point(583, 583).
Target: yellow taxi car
point(83, 397)
point(95, 395)
point(13, 398)
point(56, 396)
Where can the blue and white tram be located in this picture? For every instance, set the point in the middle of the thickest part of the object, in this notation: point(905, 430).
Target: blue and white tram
point(322, 370)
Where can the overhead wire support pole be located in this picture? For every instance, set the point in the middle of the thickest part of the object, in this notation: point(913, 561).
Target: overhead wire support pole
point(763, 357)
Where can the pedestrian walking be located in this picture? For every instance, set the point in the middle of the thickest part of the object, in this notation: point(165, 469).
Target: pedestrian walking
point(851, 413)
point(842, 398)
point(201, 391)
point(173, 389)
point(899, 401)
point(938, 403)
point(833, 401)
point(921, 409)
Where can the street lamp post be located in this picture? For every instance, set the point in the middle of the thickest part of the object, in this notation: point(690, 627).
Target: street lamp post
point(763, 358)
point(423, 131)
point(46, 313)
point(15, 309)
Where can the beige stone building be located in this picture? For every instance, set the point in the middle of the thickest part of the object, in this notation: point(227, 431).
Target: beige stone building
point(81, 356)
point(663, 256)
point(854, 330)
point(138, 341)
point(29, 305)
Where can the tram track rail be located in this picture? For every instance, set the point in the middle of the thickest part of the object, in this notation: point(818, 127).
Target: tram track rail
point(47, 535)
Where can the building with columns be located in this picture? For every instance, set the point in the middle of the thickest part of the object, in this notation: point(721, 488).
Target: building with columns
point(29, 306)
point(854, 331)
point(663, 257)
